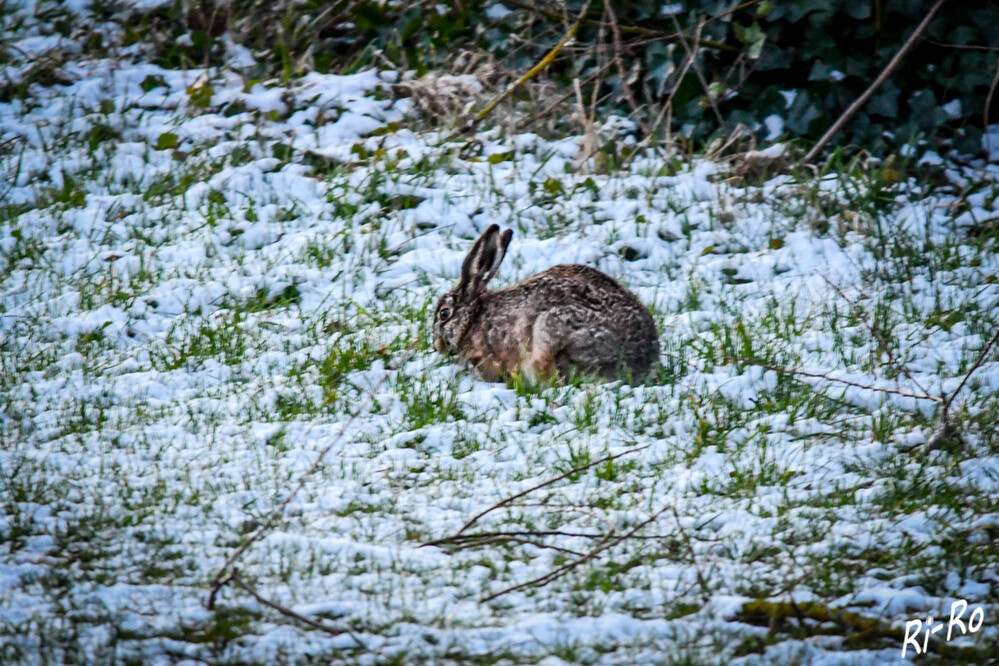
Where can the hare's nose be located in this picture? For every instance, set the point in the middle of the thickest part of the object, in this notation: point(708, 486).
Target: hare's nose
point(439, 344)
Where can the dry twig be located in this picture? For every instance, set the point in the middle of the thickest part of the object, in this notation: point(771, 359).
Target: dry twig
point(287, 612)
point(693, 556)
point(622, 73)
point(981, 357)
point(507, 500)
point(987, 111)
point(819, 375)
point(461, 539)
point(225, 572)
point(692, 54)
point(604, 544)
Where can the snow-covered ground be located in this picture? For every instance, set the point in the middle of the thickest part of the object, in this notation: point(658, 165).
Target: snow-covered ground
point(206, 282)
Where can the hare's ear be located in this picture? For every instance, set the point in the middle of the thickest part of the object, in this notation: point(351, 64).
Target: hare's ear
point(483, 261)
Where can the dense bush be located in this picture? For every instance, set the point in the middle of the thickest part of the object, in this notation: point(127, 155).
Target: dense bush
point(781, 69)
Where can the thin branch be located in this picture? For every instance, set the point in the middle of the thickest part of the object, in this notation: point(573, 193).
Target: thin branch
point(511, 498)
point(960, 47)
point(502, 538)
point(692, 53)
point(974, 367)
point(789, 371)
point(287, 612)
point(541, 581)
point(693, 556)
point(223, 576)
point(590, 141)
point(877, 335)
point(622, 73)
point(882, 77)
point(543, 533)
point(988, 108)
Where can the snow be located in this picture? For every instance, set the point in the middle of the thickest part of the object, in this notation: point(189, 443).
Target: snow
point(775, 127)
point(150, 382)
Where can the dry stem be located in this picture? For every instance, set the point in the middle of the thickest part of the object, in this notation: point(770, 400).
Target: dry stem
point(507, 500)
point(604, 544)
point(224, 575)
point(287, 612)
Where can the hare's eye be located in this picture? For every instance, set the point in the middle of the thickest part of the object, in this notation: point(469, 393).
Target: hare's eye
point(444, 314)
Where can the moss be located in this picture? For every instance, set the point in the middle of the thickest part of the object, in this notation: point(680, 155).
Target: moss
point(859, 631)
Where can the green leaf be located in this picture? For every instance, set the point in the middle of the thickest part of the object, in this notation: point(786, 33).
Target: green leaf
point(804, 111)
point(857, 10)
point(753, 37)
point(496, 158)
point(167, 141)
point(885, 101)
point(553, 186)
point(200, 96)
point(152, 81)
point(359, 150)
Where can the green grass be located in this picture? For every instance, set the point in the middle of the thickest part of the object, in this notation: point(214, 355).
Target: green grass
point(141, 454)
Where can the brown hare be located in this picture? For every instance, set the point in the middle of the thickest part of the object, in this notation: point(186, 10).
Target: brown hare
point(569, 320)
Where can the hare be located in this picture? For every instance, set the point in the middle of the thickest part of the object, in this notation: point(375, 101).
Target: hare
point(569, 320)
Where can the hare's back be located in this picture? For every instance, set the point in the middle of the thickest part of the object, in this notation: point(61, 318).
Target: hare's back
point(583, 274)
point(578, 283)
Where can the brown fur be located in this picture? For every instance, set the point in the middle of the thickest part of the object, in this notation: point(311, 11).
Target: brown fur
point(569, 319)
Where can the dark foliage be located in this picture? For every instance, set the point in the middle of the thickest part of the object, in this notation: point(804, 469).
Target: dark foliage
point(802, 61)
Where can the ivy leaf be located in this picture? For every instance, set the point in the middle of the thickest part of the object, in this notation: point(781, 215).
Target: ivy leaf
point(753, 37)
point(885, 101)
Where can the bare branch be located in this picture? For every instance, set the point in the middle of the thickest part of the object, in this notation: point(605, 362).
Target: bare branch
point(692, 54)
point(987, 111)
point(504, 538)
point(511, 498)
point(606, 543)
point(967, 375)
point(877, 335)
point(882, 77)
point(622, 73)
point(789, 371)
point(287, 612)
point(693, 556)
point(461, 538)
